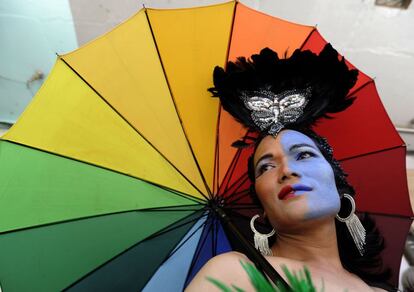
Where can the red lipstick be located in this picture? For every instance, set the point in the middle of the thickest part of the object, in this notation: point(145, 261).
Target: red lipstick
point(284, 192)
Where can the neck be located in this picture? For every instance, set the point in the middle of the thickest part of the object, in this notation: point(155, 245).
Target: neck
point(315, 245)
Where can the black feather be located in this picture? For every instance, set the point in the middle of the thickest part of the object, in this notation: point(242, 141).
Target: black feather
point(326, 74)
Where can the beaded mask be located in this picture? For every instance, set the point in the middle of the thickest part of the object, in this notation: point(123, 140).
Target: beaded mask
point(270, 112)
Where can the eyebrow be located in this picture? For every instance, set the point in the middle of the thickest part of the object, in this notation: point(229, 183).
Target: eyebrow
point(263, 158)
point(296, 146)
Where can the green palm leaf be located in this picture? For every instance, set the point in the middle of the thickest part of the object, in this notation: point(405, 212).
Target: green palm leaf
point(298, 282)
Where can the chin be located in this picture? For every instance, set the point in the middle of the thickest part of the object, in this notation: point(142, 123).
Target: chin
point(321, 214)
point(295, 212)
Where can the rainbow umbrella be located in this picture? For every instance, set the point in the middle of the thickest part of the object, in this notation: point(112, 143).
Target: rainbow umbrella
point(111, 178)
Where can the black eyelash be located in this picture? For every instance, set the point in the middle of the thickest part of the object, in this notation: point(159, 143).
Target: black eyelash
point(262, 169)
point(311, 154)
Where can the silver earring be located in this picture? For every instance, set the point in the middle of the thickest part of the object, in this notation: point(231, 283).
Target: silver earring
point(261, 241)
point(355, 227)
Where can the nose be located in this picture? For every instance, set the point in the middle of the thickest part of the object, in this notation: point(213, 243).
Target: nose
point(286, 173)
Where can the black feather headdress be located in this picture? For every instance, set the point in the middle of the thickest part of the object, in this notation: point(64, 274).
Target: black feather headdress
point(318, 84)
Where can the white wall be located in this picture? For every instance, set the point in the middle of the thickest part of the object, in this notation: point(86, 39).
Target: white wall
point(31, 33)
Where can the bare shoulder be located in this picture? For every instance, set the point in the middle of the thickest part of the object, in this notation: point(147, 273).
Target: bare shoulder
point(229, 258)
point(225, 268)
point(223, 262)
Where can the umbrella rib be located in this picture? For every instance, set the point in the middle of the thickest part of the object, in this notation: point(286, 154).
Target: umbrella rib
point(217, 230)
point(256, 208)
point(242, 179)
point(176, 109)
point(217, 156)
point(236, 196)
point(176, 248)
point(199, 246)
point(213, 237)
point(233, 202)
point(240, 195)
point(231, 29)
point(131, 247)
point(239, 182)
point(175, 192)
point(231, 170)
point(172, 208)
point(169, 228)
point(373, 152)
point(242, 207)
point(85, 218)
point(307, 38)
point(183, 195)
point(361, 87)
point(237, 188)
point(132, 127)
point(233, 164)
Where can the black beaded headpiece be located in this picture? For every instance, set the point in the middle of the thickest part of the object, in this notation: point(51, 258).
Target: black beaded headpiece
point(267, 94)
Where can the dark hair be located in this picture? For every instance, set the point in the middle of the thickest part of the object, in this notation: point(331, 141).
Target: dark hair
point(368, 267)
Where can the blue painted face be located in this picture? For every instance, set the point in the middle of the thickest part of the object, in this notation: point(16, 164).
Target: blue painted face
point(291, 171)
point(314, 171)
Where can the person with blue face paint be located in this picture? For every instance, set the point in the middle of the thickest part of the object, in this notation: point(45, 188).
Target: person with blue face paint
point(301, 187)
point(293, 180)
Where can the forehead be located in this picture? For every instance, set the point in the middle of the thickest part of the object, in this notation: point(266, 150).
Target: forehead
point(281, 144)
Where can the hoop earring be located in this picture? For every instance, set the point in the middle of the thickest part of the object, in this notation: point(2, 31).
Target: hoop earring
point(261, 241)
point(355, 227)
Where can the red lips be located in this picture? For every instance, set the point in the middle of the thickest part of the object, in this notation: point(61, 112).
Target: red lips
point(284, 192)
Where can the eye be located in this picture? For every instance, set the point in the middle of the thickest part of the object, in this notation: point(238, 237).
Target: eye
point(263, 168)
point(305, 155)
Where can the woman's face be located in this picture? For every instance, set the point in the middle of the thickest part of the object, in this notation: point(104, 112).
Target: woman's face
point(293, 179)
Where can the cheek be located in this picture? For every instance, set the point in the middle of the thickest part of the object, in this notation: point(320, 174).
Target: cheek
point(326, 177)
point(263, 188)
point(266, 188)
point(325, 201)
point(317, 170)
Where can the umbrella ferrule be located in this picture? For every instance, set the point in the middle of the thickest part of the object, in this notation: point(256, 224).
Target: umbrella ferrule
point(216, 206)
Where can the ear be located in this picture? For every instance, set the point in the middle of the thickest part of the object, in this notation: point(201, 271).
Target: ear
point(264, 215)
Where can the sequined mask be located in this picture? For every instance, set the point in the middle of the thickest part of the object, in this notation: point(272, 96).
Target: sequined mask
point(271, 112)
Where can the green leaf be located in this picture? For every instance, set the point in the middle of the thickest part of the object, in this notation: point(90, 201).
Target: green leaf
point(257, 279)
point(299, 282)
point(220, 285)
point(238, 289)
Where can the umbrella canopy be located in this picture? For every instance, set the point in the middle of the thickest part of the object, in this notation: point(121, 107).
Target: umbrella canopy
point(110, 177)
